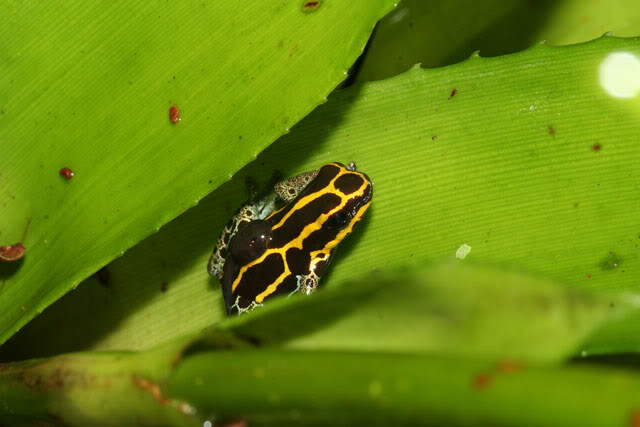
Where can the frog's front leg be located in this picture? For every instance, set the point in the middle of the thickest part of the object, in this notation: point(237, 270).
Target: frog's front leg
point(308, 283)
point(243, 216)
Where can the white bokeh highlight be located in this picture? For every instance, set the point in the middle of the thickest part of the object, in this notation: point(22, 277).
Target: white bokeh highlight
point(463, 251)
point(620, 74)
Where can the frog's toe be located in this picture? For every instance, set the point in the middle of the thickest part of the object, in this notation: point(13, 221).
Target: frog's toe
point(242, 305)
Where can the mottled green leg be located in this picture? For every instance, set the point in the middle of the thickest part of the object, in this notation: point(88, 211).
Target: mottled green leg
point(288, 189)
point(242, 307)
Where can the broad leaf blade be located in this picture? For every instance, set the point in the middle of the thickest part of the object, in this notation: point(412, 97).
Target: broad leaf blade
point(473, 312)
point(89, 87)
point(481, 168)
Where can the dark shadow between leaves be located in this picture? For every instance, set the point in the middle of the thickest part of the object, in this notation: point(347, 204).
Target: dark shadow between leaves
point(629, 361)
point(515, 32)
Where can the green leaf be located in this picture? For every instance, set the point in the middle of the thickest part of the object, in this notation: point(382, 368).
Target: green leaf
point(442, 33)
point(451, 309)
point(99, 389)
point(507, 166)
point(273, 387)
point(168, 386)
point(89, 87)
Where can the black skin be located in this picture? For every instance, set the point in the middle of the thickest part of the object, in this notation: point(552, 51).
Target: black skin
point(251, 241)
point(254, 238)
point(340, 220)
point(248, 244)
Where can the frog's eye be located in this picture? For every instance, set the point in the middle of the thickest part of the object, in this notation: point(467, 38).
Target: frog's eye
point(250, 241)
point(339, 220)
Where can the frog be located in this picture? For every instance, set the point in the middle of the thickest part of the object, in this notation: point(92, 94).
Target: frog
point(283, 242)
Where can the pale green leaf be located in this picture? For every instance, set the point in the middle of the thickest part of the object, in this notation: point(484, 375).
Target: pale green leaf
point(473, 312)
point(88, 86)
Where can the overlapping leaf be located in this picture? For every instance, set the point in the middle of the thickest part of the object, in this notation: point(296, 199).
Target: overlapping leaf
point(88, 86)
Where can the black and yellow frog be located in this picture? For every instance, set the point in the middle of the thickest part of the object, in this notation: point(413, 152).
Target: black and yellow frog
point(265, 250)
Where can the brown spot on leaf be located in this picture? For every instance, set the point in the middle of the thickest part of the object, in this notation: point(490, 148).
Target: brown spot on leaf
point(596, 147)
point(44, 382)
point(11, 253)
point(635, 419)
point(453, 93)
point(174, 114)
point(152, 388)
point(552, 131)
point(310, 6)
point(155, 391)
point(509, 366)
point(482, 381)
point(66, 172)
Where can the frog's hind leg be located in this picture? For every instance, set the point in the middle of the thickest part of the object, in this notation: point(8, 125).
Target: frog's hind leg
point(243, 216)
point(288, 189)
point(260, 204)
point(241, 306)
